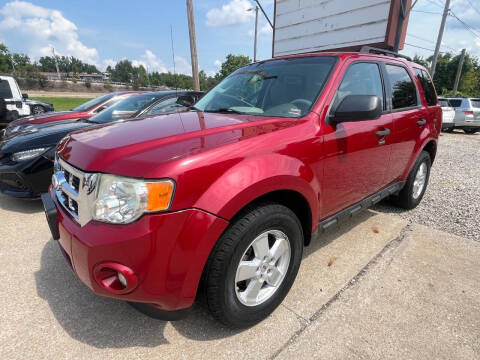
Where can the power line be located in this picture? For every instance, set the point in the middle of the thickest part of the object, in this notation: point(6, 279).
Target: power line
point(473, 7)
point(430, 41)
point(419, 47)
point(427, 12)
point(468, 27)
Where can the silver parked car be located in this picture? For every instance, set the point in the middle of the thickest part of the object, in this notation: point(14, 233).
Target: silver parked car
point(448, 115)
point(467, 114)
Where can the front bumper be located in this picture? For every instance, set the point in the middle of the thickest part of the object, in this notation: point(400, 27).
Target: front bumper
point(167, 252)
point(26, 179)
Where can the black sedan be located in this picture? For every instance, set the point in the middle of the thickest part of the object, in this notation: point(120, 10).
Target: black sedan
point(26, 159)
point(38, 106)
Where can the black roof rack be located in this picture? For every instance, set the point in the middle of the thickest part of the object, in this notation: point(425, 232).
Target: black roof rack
point(374, 50)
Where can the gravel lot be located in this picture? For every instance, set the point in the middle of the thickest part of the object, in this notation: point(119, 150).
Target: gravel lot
point(452, 200)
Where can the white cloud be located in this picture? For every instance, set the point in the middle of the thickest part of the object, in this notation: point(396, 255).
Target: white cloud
point(266, 29)
point(39, 28)
point(151, 62)
point(182, 66)
point(217, 63)
point(235, 12)
point(109, 62)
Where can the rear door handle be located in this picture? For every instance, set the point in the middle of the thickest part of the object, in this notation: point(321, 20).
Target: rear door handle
point(421, 122)
point(383, 133)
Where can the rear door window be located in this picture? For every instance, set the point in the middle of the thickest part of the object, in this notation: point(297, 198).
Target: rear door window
point(444, 103)
point(5, 91)
point(404, 92)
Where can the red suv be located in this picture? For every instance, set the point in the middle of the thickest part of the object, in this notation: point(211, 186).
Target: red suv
point(219, 202)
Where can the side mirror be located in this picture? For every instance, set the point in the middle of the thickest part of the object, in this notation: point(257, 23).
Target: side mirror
point(358, 108)
point(25, 96)
point(185, 100)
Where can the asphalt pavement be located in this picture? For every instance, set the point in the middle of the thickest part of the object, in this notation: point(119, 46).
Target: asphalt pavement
point(379, 286)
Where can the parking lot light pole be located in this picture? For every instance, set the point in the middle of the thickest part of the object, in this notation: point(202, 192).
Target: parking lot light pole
point(256, 34)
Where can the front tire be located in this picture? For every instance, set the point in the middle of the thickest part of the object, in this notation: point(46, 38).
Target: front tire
point(37, 109)
point(253, 265)
point(417, 181)
point(470, 131)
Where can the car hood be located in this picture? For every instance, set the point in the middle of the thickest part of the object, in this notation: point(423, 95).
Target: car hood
point(43, 136)
point(48, 117)
point(134, 147)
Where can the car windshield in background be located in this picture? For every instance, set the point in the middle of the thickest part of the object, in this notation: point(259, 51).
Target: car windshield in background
point(125, 108)
point(475, 103)
point(92, 103)
point(283, 88)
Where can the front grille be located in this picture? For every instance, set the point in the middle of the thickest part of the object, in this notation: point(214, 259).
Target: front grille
point(74, 189)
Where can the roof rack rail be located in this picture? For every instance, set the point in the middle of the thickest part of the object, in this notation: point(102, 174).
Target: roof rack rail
point(374, 50)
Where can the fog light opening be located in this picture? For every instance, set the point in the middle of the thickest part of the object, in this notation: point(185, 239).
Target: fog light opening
point(115, 278)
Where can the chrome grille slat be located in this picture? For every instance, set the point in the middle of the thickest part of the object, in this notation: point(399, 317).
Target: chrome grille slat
point(71, 191)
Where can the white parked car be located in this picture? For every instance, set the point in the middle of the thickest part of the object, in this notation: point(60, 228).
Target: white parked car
point(13, 102)
point(448, 115)
point(467, 114)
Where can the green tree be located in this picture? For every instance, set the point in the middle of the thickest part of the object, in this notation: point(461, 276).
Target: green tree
point(123, 71)
point(232, 63)
point(5, 60)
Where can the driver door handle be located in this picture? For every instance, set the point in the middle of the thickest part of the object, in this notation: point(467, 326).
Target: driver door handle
point(421, 122)
point(383, 133)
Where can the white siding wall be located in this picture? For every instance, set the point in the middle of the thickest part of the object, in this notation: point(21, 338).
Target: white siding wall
point(315, 25)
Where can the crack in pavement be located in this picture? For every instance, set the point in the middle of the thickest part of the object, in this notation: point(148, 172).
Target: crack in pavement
point(394, 243)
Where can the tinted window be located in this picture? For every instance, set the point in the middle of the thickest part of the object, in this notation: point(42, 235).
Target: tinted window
point(5, 91)
point(166, 107)
point(280, 87)
point(444, 103)
point(456, 102)
point(360, 79)
point(92, 103)
point(427, 86)
point(404, 93)
point(126, 108)
point(475, 103)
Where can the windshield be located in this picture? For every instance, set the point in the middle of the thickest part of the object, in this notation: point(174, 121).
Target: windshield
point(125, 108)
point(283, 88)
point(92, 103)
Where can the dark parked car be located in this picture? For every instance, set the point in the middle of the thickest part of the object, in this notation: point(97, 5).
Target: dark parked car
point(26, 159)
point(38, 106)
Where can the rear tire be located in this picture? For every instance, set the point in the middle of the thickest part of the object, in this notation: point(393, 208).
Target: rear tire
point(448, 130)
point(470, 131)
point(253, 265)
point(417, 181)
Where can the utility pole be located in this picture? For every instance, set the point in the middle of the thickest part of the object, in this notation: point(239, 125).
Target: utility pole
point(56, 63)
point(256, 34)
point(193, 45)
point(440, 36)
point(459, 73)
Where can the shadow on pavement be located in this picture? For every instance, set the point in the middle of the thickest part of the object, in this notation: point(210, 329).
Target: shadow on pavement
point(109, 323)
point(25, 206)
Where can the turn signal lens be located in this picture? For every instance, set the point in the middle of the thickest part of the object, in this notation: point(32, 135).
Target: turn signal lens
point(159, 195)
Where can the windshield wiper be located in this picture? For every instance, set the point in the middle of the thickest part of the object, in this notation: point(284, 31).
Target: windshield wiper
point(225, 111)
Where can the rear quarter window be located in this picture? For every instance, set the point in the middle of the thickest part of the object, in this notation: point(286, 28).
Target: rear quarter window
point(456, 102)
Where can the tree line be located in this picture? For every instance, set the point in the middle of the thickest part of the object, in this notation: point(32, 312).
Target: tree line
point(446, 71)
point(21, 66)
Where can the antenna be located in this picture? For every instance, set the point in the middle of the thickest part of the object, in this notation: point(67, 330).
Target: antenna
point(173, 56)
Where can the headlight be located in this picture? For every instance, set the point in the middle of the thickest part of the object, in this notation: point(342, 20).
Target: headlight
point(27, 155)
point(122, 200)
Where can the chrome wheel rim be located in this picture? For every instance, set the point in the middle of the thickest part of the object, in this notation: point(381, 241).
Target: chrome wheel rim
point(420, 179)
point(262, 268)
point(38, 110)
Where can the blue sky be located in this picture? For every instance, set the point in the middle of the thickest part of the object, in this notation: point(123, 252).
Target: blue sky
point(103, 32)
